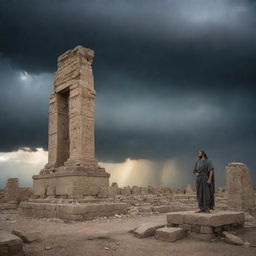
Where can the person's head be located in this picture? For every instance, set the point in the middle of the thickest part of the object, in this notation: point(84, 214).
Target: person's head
point(202, 154)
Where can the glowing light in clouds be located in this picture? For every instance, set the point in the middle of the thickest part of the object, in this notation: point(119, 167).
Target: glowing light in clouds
point(24, 76)
point(24, 163)
point(25, 156)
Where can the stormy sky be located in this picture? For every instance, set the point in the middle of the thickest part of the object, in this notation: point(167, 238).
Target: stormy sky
point(172, 77)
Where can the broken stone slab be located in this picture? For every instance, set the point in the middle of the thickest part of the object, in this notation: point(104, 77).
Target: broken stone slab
point(214, 219)
point(147, 229)
point(170, 234)
point(27, 237)
point(232, 239)
point(10, 245)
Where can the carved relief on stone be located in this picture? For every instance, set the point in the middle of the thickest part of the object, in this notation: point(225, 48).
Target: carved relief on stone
point(75, 136)
point(52, 124)
point(88, 106)
point(89, 138)
point(74, 104)
point(52, 148)
point(52, 108)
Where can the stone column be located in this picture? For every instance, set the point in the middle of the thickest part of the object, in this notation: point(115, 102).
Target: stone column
point(239, 187)
point(58, 141)
point(81, 127)
point(52, 131)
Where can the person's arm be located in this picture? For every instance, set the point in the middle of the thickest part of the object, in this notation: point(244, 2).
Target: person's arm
point(209, 181)
point(195, 171)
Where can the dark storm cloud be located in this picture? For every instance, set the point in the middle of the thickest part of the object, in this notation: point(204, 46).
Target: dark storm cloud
point(190, 42)
point(171, 76)
point(23, 108)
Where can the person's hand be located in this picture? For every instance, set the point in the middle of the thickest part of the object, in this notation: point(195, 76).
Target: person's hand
point(209, 182)
point(197, 174)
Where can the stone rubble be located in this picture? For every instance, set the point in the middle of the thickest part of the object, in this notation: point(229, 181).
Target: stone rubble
point(10, 245)
point(170, 234)
point(147, 229)
point(232, 239)
point(27, 237)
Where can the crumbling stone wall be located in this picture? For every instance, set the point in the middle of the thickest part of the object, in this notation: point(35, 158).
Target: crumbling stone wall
point(11, 190)
point(13, 193)
point(151, 200)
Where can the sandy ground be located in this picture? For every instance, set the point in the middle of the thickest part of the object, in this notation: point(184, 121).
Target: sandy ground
point(112, 237)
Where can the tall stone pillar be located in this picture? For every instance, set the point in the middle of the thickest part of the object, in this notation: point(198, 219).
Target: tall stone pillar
point(72, 169)
point(81, 127)
point(239, 187)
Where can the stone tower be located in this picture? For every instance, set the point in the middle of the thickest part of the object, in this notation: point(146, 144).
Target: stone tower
point(239, 187)
point(72, 170)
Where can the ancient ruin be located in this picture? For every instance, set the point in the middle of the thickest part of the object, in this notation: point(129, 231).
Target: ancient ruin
point(73, 187)
point(13, 194)
point(239, 187)
point(72, 172)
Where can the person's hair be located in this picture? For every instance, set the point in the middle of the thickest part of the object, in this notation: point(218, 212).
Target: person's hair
point(204, 154)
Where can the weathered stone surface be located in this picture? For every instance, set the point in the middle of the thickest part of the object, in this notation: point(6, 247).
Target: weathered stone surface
point(72, 170)
point(239, 187)
point(201, 237)
point(147, 229)
point(217, 229)
point(27, 237)
point(186, 227)
point(170, 234)
point(206, 230)
point(83, 211)
point(232, 239)
point(176, 218)
point(195, 228)
point(161, 208)
point(13, 193)
point(10, 245)
point(214, 219)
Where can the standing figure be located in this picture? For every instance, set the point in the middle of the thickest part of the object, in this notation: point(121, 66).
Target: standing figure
point(205, 189)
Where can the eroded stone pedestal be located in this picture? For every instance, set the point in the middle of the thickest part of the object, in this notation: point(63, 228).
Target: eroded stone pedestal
point(72, 210)
point(73, 184)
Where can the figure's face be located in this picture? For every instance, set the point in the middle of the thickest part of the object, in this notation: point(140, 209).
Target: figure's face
point(200, 154)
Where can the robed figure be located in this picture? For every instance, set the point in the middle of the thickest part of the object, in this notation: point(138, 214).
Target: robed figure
point(205, 188)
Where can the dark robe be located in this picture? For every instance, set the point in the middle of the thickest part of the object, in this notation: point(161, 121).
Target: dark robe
point(205, 191)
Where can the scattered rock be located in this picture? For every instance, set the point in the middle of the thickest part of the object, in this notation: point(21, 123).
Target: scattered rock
point(27, 237)
point(148, 229)
point(48, 248)
point(246, 245)
point(10, 244)
point(232, 239)
point(249, 217)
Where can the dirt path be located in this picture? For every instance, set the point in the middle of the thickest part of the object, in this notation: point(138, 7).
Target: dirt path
point(111, 237)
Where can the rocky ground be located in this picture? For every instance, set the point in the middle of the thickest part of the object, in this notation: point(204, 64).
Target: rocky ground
point(112, 237)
